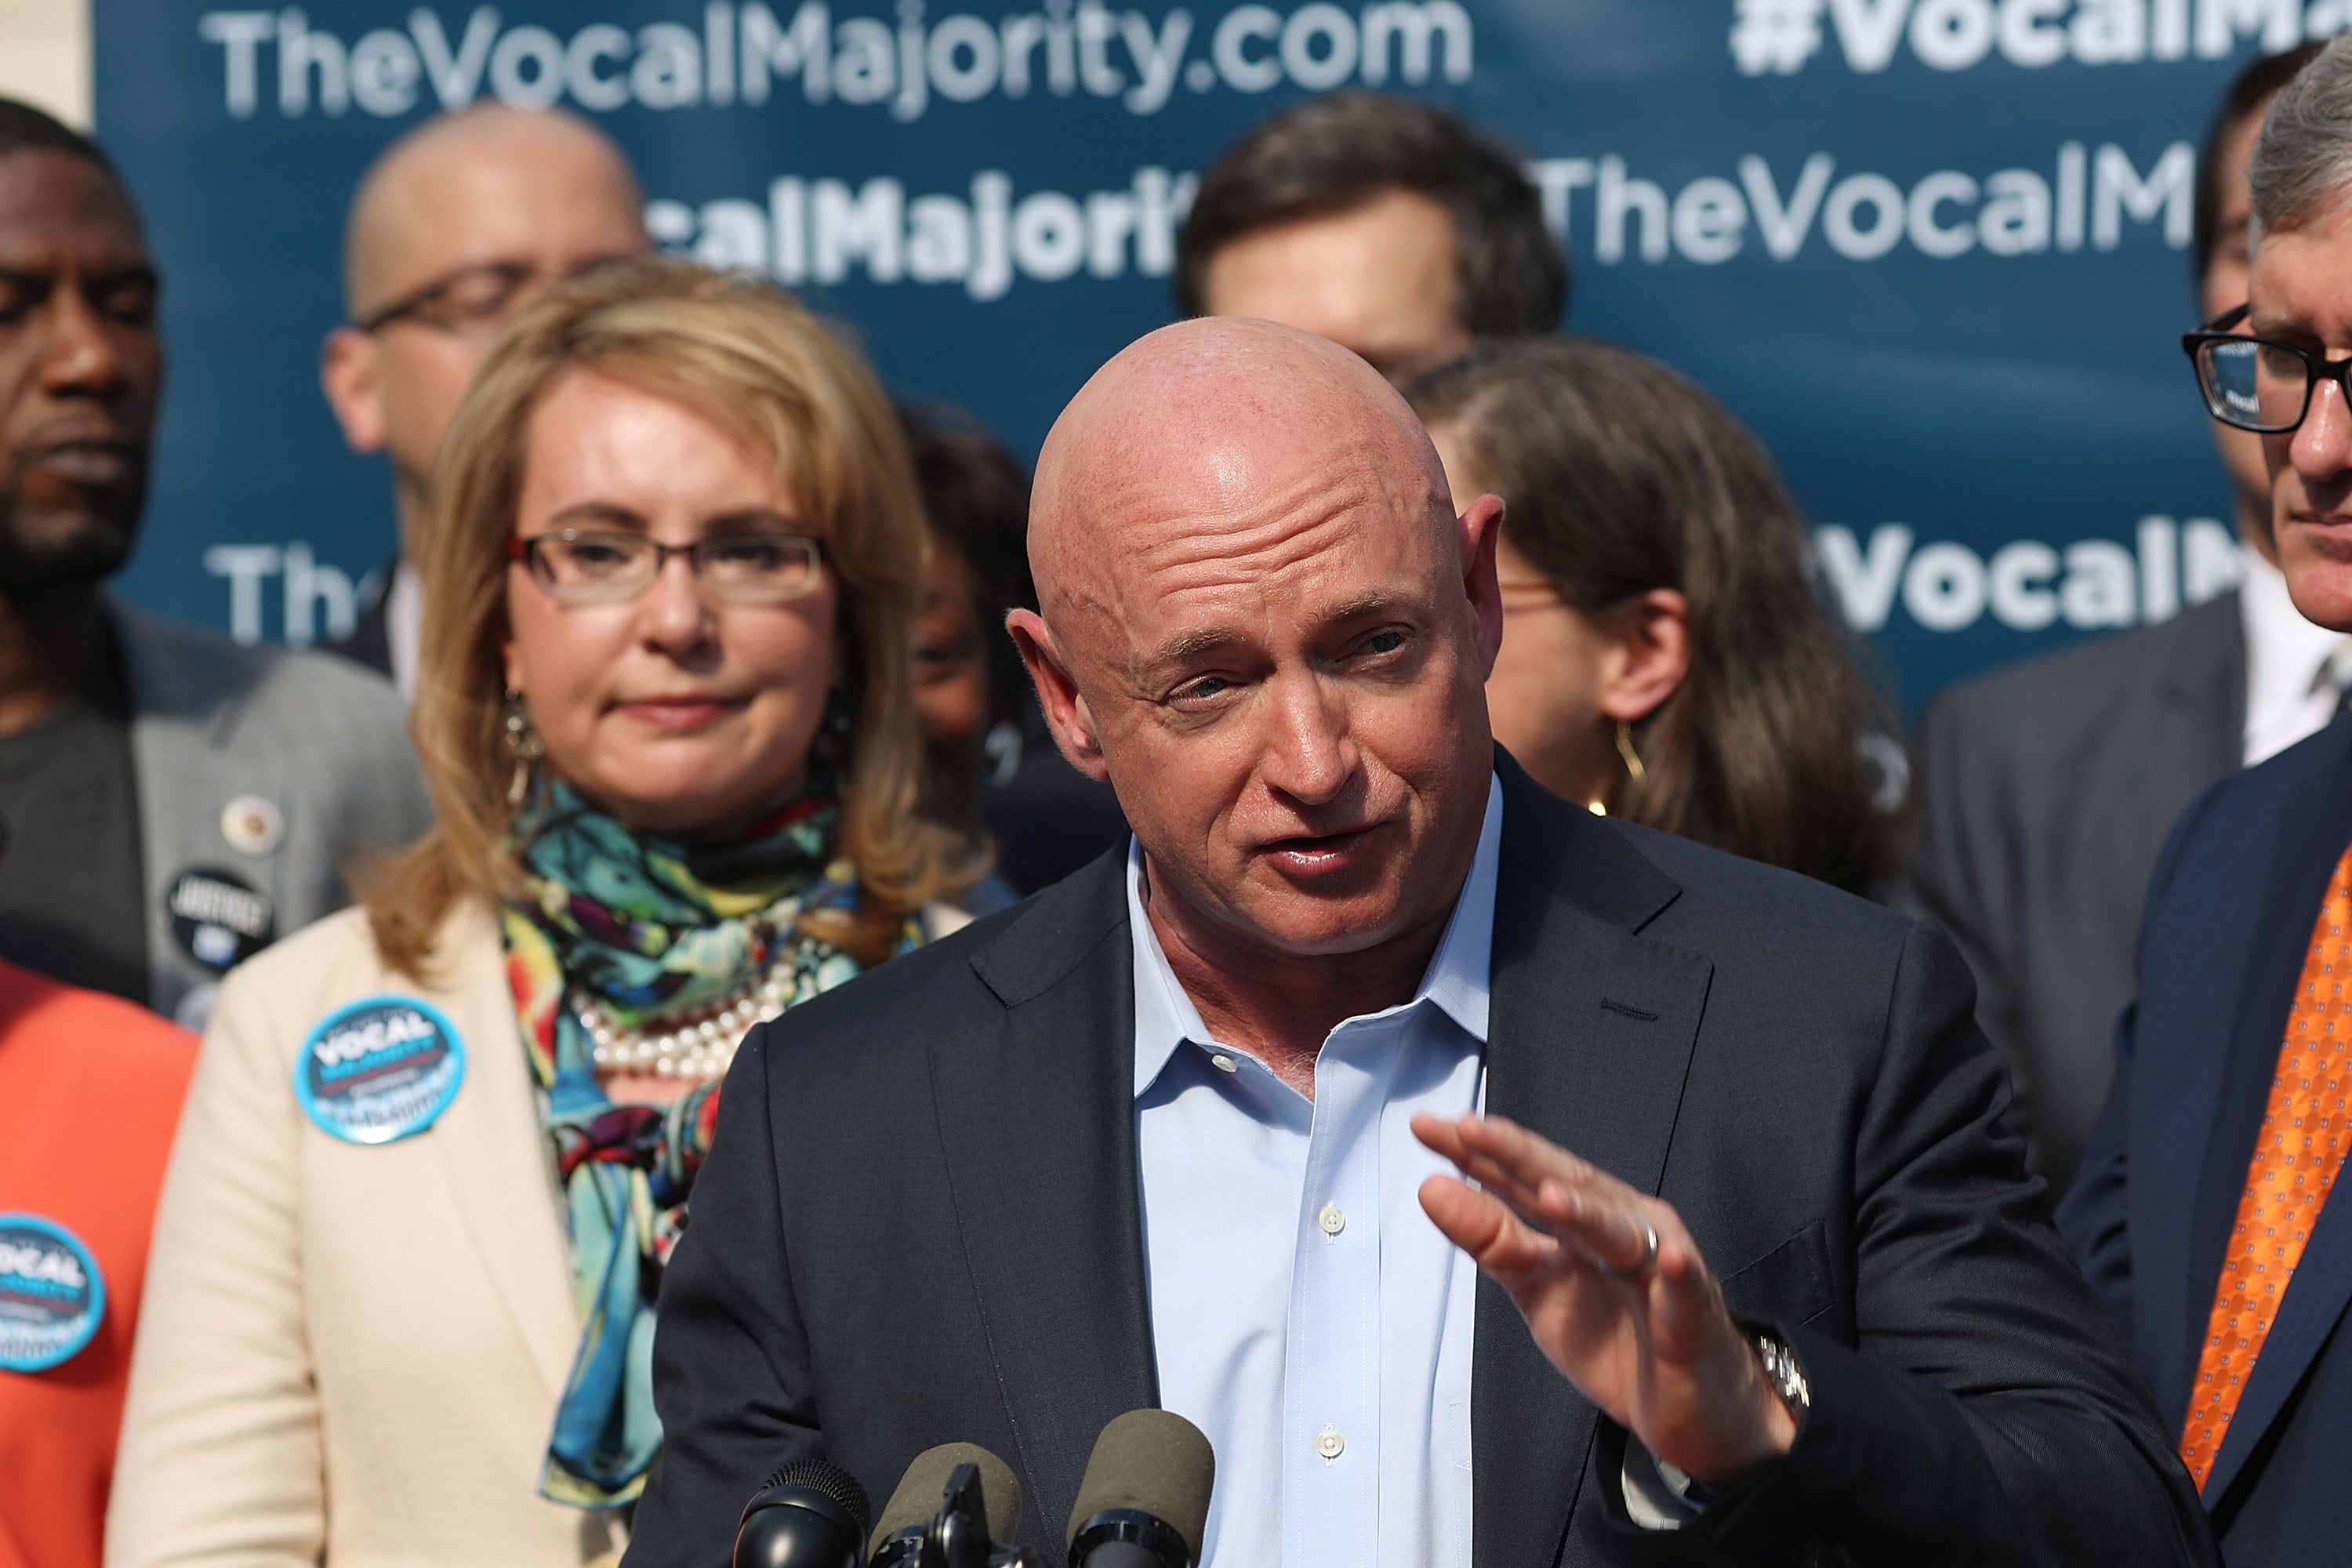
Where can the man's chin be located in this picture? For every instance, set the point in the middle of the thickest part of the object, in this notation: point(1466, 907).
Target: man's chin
point(1310, 925)
point(53, 554)
point(2318, 566)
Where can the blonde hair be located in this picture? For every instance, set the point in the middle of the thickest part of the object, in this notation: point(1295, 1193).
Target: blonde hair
point(752, 360)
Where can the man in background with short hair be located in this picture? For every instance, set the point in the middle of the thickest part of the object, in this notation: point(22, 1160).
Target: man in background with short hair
point(1383, 223)
point(170, 802)
point(453, 230)
point(2046, 789)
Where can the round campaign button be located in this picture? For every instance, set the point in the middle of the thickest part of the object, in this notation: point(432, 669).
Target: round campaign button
point(52, 1296)
point(379, 1069)
point(217, 918)
point(252, 825)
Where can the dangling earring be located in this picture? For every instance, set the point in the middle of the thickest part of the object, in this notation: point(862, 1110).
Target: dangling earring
point(1633, 768)
point(830, 749)
point(523, 746)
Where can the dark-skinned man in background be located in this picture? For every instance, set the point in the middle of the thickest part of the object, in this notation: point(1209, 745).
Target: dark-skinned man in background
point(172, 801)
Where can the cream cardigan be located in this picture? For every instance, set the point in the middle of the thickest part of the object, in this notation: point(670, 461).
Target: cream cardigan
point(353, 1352)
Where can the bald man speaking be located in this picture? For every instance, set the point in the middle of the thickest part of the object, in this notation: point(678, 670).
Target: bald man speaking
point(1750, 1271)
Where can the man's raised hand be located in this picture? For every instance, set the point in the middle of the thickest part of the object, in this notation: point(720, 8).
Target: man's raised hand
point(1614, 1293)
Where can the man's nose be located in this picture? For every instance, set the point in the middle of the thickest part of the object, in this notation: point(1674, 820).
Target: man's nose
point(673, 616)
point(1311, 753)
point(78, 353)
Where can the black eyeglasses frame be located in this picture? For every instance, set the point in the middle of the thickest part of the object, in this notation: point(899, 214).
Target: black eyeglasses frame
point(2317, 369)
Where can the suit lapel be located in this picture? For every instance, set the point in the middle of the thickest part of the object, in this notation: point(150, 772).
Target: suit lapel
point(174, 735)
point(493, 1149)
point(2201, 725)
point(2200, 721)
point(2186, 1103)
point(1589, 1043)
point(1036, 1115)
point(2319, 827)
point(2203, 681)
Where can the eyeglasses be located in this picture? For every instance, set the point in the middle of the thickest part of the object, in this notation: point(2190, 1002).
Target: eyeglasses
point(582, 568)
point(473, 302)
point(2258, 384)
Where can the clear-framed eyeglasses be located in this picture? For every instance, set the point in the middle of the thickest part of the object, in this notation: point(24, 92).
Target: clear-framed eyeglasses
point(2258, 384)
point(580, 566)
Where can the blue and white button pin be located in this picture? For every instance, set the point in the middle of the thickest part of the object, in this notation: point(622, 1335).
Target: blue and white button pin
point(52, 1296)
point(379, 1069)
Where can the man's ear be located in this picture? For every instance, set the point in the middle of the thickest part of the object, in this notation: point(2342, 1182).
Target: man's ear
point(1646, 654)
point(352, 380)
point(1057, 694)
point(1481, 529)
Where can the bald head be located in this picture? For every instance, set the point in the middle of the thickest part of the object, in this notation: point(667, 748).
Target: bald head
point(463, 185)
point(1263, 624)
point(1198, 422)
point(462, 221)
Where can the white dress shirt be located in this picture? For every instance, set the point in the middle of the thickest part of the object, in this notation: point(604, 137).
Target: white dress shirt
point(404, 621)
point(1306, 1314)
point(2296, 670)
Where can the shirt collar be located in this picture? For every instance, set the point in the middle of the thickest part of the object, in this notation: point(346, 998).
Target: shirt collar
point(2286, 655)
point(1457, 981)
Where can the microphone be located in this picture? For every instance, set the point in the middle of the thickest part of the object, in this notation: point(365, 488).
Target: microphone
point(809, 1514)
point(1145, 1500)
point(952, 1506)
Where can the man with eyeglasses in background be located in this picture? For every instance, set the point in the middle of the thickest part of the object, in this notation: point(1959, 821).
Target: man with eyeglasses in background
point(2203, 1214)
point(2046, 789)
point(453, 230)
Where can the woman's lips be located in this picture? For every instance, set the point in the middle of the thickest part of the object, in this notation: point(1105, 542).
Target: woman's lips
point(684, 712)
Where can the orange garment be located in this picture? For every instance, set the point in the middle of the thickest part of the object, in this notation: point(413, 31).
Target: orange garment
point(90, 1092)
point(2304, 1134)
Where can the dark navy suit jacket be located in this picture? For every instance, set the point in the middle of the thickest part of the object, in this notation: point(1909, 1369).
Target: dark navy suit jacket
point(921, 1223)
point(2229, 918)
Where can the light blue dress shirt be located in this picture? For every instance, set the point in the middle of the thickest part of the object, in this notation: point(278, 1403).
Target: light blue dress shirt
point(1306, 1314)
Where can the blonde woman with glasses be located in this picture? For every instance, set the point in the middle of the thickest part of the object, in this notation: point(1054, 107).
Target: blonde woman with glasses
point(401, 1306)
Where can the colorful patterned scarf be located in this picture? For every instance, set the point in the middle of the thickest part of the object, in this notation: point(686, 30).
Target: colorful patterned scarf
point(647, 927)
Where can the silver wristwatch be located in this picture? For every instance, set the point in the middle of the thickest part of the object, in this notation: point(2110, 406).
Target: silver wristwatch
point(1782, 1371)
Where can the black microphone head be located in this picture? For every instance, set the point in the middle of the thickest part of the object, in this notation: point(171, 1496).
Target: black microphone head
point(1151, 1463)
point(924, 1486)
point(831, 1481)
point(809, 1514)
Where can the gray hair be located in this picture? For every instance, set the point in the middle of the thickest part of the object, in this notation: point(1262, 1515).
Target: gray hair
point(2303, 162)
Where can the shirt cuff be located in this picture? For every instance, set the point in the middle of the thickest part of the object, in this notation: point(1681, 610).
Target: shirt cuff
point(1657, 1495)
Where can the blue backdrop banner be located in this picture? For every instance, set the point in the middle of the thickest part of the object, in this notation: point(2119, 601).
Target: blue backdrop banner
point(1933, 250)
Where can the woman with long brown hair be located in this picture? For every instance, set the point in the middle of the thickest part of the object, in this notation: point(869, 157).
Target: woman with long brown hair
point(401, 1306)
point(1665, 655)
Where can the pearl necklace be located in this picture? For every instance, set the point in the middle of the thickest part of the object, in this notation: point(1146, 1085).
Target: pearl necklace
point(695, 1044)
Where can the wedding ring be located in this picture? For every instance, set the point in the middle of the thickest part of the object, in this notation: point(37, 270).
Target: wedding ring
point(1649, 1259)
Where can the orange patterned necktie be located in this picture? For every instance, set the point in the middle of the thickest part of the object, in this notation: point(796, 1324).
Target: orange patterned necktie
point(2296, 1155)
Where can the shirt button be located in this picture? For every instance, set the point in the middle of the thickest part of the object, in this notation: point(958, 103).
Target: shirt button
point(1330, 1444)
point(1332, 1219)
point(1223, 1062)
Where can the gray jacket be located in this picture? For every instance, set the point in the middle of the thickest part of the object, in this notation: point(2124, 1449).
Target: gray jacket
point(2046, 791)
point(284, 771)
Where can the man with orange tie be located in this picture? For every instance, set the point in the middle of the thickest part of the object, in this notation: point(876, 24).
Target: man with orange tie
point(2203, 1213)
